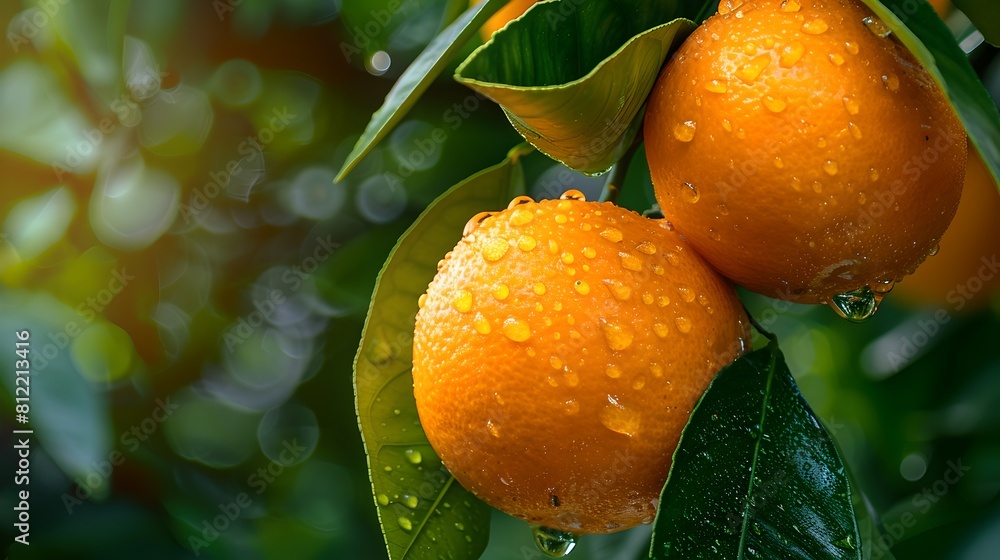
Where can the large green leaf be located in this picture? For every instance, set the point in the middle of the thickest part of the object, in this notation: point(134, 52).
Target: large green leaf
point(573, 77)
point(982, 13)
point(418, 77)
point(755, 474)
point(424, 512)
point(931, 42)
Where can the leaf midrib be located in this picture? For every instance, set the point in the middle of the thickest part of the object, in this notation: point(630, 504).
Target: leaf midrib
point(423, 522)
point(756, 451)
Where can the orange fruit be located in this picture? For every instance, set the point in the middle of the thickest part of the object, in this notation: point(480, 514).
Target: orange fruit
point(558, 353)
point(512, 10)
point(803, 151)
point(964, 271)
point(941, 6)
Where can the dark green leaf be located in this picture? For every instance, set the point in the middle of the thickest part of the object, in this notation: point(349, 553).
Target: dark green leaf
point(573, 77)
point(755, 474)
point(421, 507)
point(932, 43)
point(983, 14)
point(418, 77)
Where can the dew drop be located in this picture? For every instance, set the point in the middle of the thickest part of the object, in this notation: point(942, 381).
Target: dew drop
point(851, 47)
point(716, 86)
point(741, 134)
point(410, 501)
point(790, 6)
point(518, 201)
point(873, 174)
point(494, 249)
point(750, 71)
point(891, 82)
point(656, 369)
point(383, 499)
point(815, 27)
point(934, 250)
point(630, 262)
point(462, 301)
point(862, 198)
point(855, 306)
point(646, 247)
point(661, 330)
point(684, 131)
point(728, 126)
point(553, 542)
point(639, 383)
point(613, 371)
point(474, 222)
point(589, 252)
point(830, 167)
point(561, 218)
point(619, 419)
point(817, 187)
point(851, 105)
point(883, 287)
point(647, 298)
point(421, 301)
point(778, 162)
point(714, 234)
point(573, 194)
point(555, 362)
point(876, 26)
point(581, 287)
point(516, 329)
point(553, 246)
point(690, 193)
point(619, 290)
point(520, 216)
point(564, 206)
point(672, 258)
point(855, 130)
point(493, 428)
point(791, 54)
point(405, 523)
point(683, 324)
point(723, 209)
point(572, 379)
point(501, 291)
point(613, 235)
point(619, 337)
point(774, 104)
point(526, 243)
point(663, 301)
point(687, 294)
point(539, 288)
point(567, 258)
point(836, 59)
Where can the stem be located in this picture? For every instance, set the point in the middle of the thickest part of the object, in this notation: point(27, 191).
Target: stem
point(616, 177)
point(753, 322)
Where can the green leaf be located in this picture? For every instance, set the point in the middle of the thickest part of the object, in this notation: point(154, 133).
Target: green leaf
point(931, 42)
point(755, 474)
point(982, 14)
point(573, 78)
point(417, 78)
point(424, 512)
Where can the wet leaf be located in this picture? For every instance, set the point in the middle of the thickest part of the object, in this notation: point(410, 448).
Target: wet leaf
point(418, 77)
point(931, 42)
point(573, 77)
point(755, 474)
point(424, 512)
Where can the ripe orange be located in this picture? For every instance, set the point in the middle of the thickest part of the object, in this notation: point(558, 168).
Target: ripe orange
point(512, 10)
point(963, 273)
point(942, 7)
point(802, 150)
point(558, 353)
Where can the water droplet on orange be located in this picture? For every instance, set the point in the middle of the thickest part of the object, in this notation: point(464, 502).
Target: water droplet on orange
point(690, 193)
point(852, 106)
point(728, 126)
point(672, 258)
point(526, 243)
point(663, 301)
point(862, 198)
point(619, 290)
point(519, 200)
point(555, 362)
point(630, 262)
point(481, 324)
point(683, 324)
point(620, 419)
point(474, 222)
point(714, 234)
point(873, 174)
point(891, 82)
point(815, 27)
point(661, 330)
point(619, 337)
point(723, 210)
point(567, 258)
point(687, 294)
point(778, 162)
point(684, 131)
point(836, 59)
point(851, 47)
point(715, 86)
point(790, 6)
point(750, 71)
point(581, 287)
point(791, 54)
point(493, 428)
point(855, 131)
point(421, 301)
point(501, 291)
point(647, 298)
point(830, 167)
point(539, 288)
point(877, 26)
point(656, 369)
point(462, 301)
point(520, 216)
point(561, 218)
point(571, 406)
point(494, 249)
point(774, 104)
point(817, 187)
point(553, 246)
point(646, 247)
point(589, 252)
point(573, 194)
point(516, 329)
point(613, 371)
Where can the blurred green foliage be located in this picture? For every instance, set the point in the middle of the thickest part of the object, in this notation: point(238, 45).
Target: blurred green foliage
point(195, 285)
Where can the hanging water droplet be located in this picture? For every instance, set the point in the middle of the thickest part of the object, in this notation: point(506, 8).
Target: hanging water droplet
point(474, 222)
point(519, 200)
point(553, 542)
point(934, 250)
point(690, 193)
point(573, 194)
point(883, 287)
point(684, 131)
point(876, 26)
point(855, 306)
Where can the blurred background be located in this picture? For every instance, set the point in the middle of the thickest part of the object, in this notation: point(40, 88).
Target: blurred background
point(195, 285)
